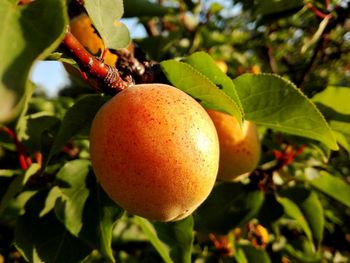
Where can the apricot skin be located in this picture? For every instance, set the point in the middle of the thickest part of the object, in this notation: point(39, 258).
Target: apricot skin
point(239, 147)
point(155, 151)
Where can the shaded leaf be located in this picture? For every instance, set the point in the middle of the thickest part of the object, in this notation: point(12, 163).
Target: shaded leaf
point(185, 77)
point(105, 15)
point(292, 210)
point(268, 7)
point(35, 128)
point(17, 185)
point(83, 207)
point(178, 236)
point(140, 8)
point(157, 47)
point(150, 232)
point(270, 211)
point(37, 29)
point(276, 103)
point(253, 254)
point(311, 208)
point(302, 250)
point(44, 239)
point(77, 118)
point(173, 240)
point(228, 206)
point(69, 206)
point(99, 216)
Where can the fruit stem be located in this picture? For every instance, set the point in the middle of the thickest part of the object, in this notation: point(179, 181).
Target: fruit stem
point(101, 76)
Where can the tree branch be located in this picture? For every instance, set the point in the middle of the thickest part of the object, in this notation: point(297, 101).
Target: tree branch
point(102, 77)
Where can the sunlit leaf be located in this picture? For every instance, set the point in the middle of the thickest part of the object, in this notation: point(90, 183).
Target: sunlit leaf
point(105, 15)
point(276, 103)
point(36, 29)
point(202, 62)
point(185, 77)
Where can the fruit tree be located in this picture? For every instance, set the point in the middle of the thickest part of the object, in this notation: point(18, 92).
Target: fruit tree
point(210, 131)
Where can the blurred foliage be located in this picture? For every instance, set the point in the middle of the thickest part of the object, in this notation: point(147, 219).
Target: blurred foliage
point(55, 211)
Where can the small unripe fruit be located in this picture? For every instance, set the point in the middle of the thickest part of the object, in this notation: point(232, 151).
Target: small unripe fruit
point(155, 151)
point(239, 146)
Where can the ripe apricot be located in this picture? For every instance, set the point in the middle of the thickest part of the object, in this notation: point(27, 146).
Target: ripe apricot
point(155, 151)
point(239, 147)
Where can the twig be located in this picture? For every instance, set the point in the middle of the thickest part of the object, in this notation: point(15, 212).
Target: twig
point(316, 11)
point(24, 160)
point(101, 76)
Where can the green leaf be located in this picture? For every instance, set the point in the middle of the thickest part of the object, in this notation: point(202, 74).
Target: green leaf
point(37, 29)
point(343, 141)
point(332, 186)
point(140, 8)
point(178, 236)
point(276, 103)
point(70, 205)
point(191, 81)
point(333, 103)
point(228, 206)
point(77, 118)
point(44, 239)
point(336, 98)
point(21, 124)
point(311, 208)
point(173, 241)
point(83, 207)
point(17, 185)
point(204, 63)
point(157, 47)
point(9, 172)
point(301, 249)
point(268, 7)
point(35, 127)
point(292, 210)
point(253, 254)
point(100, 215)
point(105, 15)
point(151, 233)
